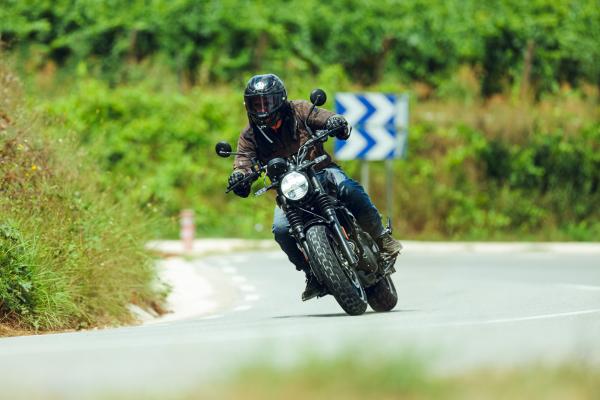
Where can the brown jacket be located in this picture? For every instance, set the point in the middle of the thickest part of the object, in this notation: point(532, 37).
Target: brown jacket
point(286, 142)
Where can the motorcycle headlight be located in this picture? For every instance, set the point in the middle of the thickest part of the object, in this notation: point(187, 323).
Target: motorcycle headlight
point(294, 186)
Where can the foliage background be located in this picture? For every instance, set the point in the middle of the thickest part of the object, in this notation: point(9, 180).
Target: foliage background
point(371, 40)
point(504, 130)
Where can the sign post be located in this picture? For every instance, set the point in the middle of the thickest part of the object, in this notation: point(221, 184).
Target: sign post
point(364, 174)
point(389, 188)
point(380, 123)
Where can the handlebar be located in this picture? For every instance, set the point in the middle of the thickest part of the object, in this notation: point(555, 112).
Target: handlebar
point(316, 161)
point(318, 137)
point(251, 176)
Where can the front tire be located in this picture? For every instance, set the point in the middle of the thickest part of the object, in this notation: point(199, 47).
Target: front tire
point(347, 291)
point(382, 296)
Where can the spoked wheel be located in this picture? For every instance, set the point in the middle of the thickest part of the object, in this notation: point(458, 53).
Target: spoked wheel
point(342, 283)
point(382, 296)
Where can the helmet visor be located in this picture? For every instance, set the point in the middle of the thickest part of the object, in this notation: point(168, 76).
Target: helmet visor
point(264, 104)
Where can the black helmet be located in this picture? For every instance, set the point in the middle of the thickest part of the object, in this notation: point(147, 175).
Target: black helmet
point(264, 98)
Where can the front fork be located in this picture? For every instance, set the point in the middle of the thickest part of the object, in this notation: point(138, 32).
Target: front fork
point(326, 206)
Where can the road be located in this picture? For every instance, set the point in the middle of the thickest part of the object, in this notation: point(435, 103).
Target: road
point(459, 309)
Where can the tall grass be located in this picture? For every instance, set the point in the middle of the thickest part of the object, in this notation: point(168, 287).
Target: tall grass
point(402, 378)
point(71, 256)
point(356, 377)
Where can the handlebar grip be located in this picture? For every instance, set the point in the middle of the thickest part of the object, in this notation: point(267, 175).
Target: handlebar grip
point(249, 176)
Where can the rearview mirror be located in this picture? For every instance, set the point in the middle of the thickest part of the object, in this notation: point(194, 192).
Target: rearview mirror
point(223, 149)
point(318, 97)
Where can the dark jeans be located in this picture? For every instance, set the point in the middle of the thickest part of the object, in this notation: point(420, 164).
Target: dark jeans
point(352, 194)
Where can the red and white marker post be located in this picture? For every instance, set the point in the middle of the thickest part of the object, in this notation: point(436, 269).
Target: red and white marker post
point(188, 230)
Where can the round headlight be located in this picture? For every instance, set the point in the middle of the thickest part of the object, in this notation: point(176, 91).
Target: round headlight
point(294, 186)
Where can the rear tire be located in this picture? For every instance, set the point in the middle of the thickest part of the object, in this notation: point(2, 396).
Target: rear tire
point(347, 291)
point(382, 296)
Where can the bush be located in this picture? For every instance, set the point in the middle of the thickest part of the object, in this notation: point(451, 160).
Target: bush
point(471, 186)
point(159, 145)
point(459, 181)
point(16, 263)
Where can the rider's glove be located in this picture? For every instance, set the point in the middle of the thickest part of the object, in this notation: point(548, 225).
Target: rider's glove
point(339, 123)
point(243, 189)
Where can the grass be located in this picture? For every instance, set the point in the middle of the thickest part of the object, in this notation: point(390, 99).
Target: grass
point(354, 377)
point(71, 256)
point(401, 380)
point(404, 378)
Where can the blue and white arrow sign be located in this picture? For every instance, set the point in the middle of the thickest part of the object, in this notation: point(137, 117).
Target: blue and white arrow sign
point(380, 123)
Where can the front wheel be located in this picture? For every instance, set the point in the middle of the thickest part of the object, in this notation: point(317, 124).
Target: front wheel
point(382, 296)
point(344, 286)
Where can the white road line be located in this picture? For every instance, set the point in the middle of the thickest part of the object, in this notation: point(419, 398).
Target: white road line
point(251, 297)
point(238, 259)
point(213, 316)
point(579, 287)
point(238, 278)
point(247, 288)
point(229, 270)
point(219, 261)
point(243, 307)
point(520, 319)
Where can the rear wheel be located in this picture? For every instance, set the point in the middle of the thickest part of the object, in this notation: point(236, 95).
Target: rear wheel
point(382, 296)
point(342, 283)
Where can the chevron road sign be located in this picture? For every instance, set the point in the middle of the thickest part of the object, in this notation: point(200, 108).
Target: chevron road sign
point(380, 123)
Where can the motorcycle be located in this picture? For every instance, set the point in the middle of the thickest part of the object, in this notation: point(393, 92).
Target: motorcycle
point(344, 259)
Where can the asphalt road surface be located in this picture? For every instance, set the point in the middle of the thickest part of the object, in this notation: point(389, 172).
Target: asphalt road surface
point(461, 310)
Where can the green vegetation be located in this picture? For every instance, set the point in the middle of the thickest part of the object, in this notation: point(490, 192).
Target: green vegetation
point(504, 137)
point(470, 173)
point(351, 379)
point(71, 255)
point(401, 378)
point(410, 40)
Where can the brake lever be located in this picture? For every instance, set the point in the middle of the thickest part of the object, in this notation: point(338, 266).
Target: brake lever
point(324, 135)
point(317, 138)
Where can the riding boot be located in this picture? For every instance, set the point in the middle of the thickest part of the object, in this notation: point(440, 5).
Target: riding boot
point(388, 244)
point(313, 287)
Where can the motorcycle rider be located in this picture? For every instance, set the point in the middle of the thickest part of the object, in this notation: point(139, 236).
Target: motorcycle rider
point(276, 129)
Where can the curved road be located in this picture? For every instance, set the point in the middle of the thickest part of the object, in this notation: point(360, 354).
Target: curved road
point(460, 309)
